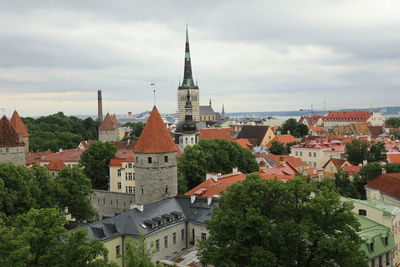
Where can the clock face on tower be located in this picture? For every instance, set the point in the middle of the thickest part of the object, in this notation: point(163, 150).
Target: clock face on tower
point(188, 112)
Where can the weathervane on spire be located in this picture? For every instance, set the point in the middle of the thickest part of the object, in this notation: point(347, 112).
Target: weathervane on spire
point(153, 84)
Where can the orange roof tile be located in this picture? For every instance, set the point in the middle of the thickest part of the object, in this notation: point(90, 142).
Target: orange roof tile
point(35, 157)
point(352, 169)
point(18, 124)
point(216, 133)
point(8, 136)
point(117, 162)
point(348, 116)
point(284, 139)
point(388, 183)
point(109, 123)
point(281, 169)
point(124, 153)
point(56, 165)
point(296, 162)
point(337, 162)
point(155, 137)
point(243, 142)
point(69, 155)
point(393, 158)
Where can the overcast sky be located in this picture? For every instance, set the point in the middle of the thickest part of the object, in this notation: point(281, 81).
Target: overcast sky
point(248, 55)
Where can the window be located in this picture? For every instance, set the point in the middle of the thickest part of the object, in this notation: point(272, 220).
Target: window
point(158, 245)
point(136, 159)
point(119, 173)
point(166, 158)
point(297, 153)
point(371, 247)
point(174, 238)
point(6, 150)
point(315, 164)
point(386, 241)
point(149, 159)
point(362, 212)
point(192, 140)
point(129, 189)
point(166, 190)
point(142, 190)
point(315, 154)
point(130, 176)
point(118, 251)
point(119, 185)
point(387, 259)
point(165, 241)
point(309, 154)
point(129, 165)
point(183, 234)
point(301, 153)
point(203, 236)
point(126, 176)
point(133, 174)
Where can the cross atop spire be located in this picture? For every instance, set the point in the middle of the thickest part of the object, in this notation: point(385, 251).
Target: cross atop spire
point(187, 74)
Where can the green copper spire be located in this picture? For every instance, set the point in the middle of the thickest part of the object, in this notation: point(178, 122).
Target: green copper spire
point(187, 74)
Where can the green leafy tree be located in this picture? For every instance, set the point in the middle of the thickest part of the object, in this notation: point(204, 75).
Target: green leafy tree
point(74, 189)
point(216, 155)
point(345, 187)
point(277, 148)
point(395, 136)
point(138, 254)
point(137, 128)
point(95, 161)
point(268, 223)
point(367, 173)
point(393, 122)
point(377, 152)
point(294, 128)
point(392, 167)
point(357, 151)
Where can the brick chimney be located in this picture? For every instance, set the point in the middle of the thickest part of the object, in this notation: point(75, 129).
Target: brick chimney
point(99, 106)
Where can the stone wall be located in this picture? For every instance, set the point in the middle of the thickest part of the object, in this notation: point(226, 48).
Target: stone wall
point(194, 98)
point(108, 204)
point(109, 135)
point(15, 155)
point(156, 179)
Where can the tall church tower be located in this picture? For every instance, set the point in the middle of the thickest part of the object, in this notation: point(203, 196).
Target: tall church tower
point(155, 162)
point(186, 132)
point(188, 84)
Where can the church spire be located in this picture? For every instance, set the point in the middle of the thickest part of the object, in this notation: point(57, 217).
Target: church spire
point(187, 75)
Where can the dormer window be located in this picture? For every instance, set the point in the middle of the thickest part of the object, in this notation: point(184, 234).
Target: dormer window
point(362, 212)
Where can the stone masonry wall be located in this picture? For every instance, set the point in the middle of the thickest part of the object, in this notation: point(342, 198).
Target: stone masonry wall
point(108, 204)
point(15, 155)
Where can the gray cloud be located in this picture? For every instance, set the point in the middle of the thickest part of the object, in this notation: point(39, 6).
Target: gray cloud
point(249, 55)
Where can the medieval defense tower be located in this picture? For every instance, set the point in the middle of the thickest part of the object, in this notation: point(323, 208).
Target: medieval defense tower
point(155, 162)
point(188, 84)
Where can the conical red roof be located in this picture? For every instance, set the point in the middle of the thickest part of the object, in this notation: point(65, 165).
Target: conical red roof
point(155, 137)
point(109, 123)
point(18, 124)
point(8, 136)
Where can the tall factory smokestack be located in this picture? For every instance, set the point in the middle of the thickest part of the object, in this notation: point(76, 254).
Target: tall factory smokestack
point(100, 106)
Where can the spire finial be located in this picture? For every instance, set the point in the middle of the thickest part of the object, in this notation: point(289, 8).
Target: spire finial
point(153, 85)
point(187, 34)
point(210, 101)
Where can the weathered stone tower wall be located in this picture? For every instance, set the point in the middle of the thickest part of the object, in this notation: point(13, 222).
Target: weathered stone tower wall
point(156, 177)
point(195, 99)
point(26, 141)
point(15, 155)
point(108, 135)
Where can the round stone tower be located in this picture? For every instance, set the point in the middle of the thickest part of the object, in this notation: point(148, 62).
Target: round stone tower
point(155, 162)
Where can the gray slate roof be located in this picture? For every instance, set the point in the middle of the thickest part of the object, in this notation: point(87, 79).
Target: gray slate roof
point(206, 110)
point(131, 222)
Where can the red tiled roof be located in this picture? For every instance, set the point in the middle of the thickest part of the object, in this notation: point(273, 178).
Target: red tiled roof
point(393, 158)
point(348, 116)
point(56, 165)
point(243, 142)
point(352, 169)
point(317, 128)
point(310, 120)
point(284, 139)
point(117, 162)
point(216, 133)
point(69, 155)
point(32, 158)
point(337, 162)
point(8, 136)
point(155, 137)
point(18, 124)
point(124, 153)
point(296, 162)
point(388, 183)
point(87, 143)
point(109, 123)
point(282, 169)
point(310, 171)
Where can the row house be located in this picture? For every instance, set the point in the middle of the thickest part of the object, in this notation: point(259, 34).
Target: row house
point(122, 175)
point(335, 118)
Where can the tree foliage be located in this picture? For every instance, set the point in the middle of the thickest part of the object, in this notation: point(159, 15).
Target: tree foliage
point(95, 161)
point(393, 122)
point(277, 148)
point(137, 128)
point(38, 238)
point(23, 188)
point(268, 223)
point(345, 187)
point(59, 131)
point(138, 254)
point(297, 129)
point(360, 150)
point(218, 156)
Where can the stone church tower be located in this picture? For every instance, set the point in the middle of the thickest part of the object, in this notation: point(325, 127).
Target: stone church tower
point(186, 132)
point(155, 162)
point(12, 147)
point(188, 84)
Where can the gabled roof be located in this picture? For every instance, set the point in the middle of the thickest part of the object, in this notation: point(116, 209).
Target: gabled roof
point(109, 123)
point(352, 169)
point(244, 142)
point(284, 139)
point(18, 124)
point(348, 116)
point(388, 183)
point(255, 134)
point(310, 120)
point(206, 110)
point(8, 136)
point(69, 155)
point(35, 157)
point(282, 169)
point(215, 133)
point(56, 165)
point(337, 162)
point(279, 159)
point(155, 137)
point(393, 158)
